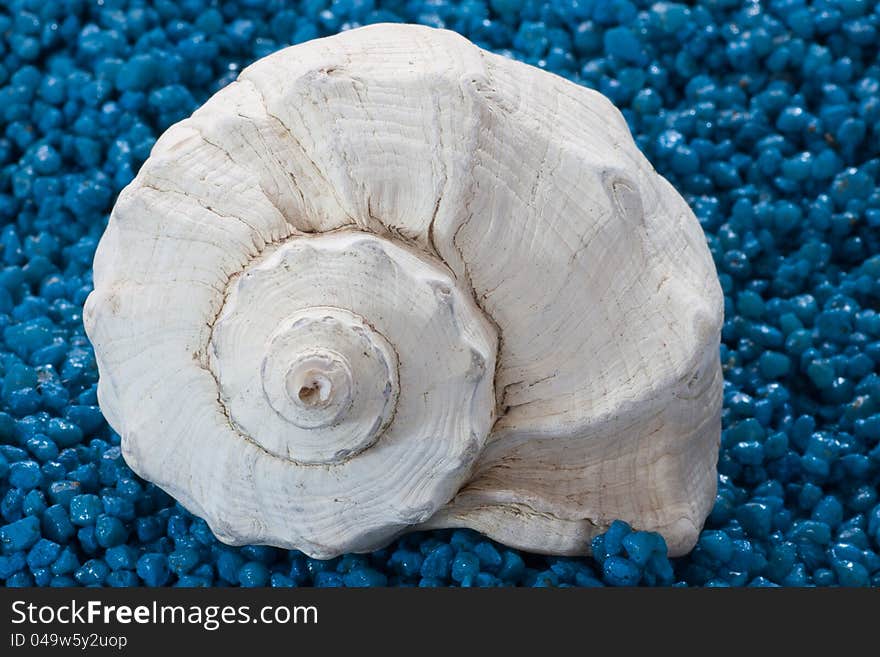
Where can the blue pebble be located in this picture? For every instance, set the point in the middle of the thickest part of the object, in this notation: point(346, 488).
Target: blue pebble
point(278, 580)
point(639, 546)
point(43, 553)
point(34, 503)
point(62, 581)
point(717, 544)
point(619, 571)
point(20, 580)
point(87, 539)
point(850, 573)
point(623, 43)
point(110, 531)
point(541, 580)
point(122, 557)
point(11, 564)
point(42, 576)
point(327, 579)
point(85, 509)
point(122, 579)
point(92, 573)
point(19, 535)
point(465, 564)
point(362, 577)
point(774, 365)
point(66, 563)
point(229, 564)
point(64, 433)
point(512, 567)
point(181, 561)
point(11, 505)
point(828, 511)
point(408, 563)
point(438, 563)
point(490, 558)
point(42, 448)
point(262, 553)
point(613, 543)
point(137, 73)
point(253, 574)
point(148, 529)
point(153, 569)
point(63, 492)
point(56, 525)
point(811, 531)
point(756, 518)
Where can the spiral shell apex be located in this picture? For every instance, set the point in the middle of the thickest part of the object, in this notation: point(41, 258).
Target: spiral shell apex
point(387, 281)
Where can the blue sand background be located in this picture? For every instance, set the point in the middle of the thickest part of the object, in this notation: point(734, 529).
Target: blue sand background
point(765, 115)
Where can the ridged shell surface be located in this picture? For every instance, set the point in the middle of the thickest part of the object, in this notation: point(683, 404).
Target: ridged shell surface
point(387, 280)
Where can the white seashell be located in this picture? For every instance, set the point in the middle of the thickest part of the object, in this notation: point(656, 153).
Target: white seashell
point(388, 281)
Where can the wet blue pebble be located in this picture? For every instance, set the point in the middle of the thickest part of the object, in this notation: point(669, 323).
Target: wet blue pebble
point(278, 580)
point(148, 529)
point(828, 511)
point(619, 571)
point(326, 579)
point(63, 433)
point(756, 518)
point(11, 564)
point(228, 565)
point(19, 535)
point(253, 574)
point(121, 557)
point(183, 560)
point(153, 569)
point(85, 509)
point(299, 573)
point(613, 537)
point(362, 577)
point(87, 539)
point(42, 447)
point(488, 555)
point(25, 475)
point(122, 579)
point(66, 563)
point(407, 563)
point(438, 563)
point(811, 531)
point(824, 577)
point(639, 546)
point(465, 564)
point(623, 43)
point(34, 503)
point(265, 554)
point(42, 576)
point(512, 567)
point(774, 365)
point(92, 572)
point(717, 544)
point(20, 579)
point(56, 524)
point(110, 531)
point(43, 553)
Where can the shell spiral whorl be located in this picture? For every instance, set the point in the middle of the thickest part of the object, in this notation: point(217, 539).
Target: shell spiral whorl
point(387, 280)
point(318, 379)
point(326, 371)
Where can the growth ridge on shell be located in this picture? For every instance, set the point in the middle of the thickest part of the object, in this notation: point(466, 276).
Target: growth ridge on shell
point(389, 281)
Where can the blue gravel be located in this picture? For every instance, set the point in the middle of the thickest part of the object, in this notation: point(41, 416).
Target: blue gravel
point(765, 116)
